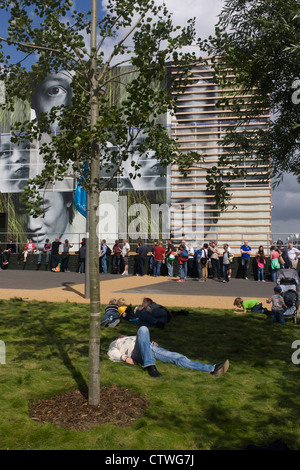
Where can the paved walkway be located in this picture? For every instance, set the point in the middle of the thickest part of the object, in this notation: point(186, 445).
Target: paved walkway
point(61, 287)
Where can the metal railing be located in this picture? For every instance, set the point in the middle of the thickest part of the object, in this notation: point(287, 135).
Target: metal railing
point(235, 240)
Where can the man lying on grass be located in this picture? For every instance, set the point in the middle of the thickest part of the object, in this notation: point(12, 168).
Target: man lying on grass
point(140, 350)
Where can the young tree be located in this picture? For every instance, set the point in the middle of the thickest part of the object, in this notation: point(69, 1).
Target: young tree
point(256, 51)
point(94, 135)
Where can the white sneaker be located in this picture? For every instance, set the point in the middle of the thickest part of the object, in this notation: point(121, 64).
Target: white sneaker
point(125, 273)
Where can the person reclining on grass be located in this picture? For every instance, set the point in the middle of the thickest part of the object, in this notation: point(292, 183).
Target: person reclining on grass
point(152, 314)
point(140, 350)
point(111, 316)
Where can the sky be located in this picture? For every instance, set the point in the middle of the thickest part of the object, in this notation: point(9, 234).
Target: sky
point(285, 206)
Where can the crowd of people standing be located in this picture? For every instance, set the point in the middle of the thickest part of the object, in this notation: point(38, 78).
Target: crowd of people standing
point(200, 261)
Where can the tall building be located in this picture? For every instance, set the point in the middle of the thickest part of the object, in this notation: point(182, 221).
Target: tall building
point(200, 125)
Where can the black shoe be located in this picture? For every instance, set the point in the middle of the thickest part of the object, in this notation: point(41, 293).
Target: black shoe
point(153, 371)
point(220, 368)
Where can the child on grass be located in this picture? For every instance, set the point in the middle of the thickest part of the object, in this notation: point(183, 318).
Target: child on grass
point(121, 307)
point(251, 304)
point(126, 312)
point(278, 306)
point(111, 316)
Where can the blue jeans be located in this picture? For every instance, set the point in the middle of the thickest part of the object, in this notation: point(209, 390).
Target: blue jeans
point(151, 266)
point(82, 266)
point(199, 270)
point(182, 271)
point(104, 263)
point(185, 267)
point(146, 353)
point(170, 265)
point(157, 266)
point(114, 316)
point(225, 271)
point(274, 273)
point(258, 308)
point(260, 274)
point(277, 316)
point(245, 262)
point(48, 253)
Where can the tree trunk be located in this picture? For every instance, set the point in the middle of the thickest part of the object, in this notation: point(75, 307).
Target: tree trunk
point(93, 243)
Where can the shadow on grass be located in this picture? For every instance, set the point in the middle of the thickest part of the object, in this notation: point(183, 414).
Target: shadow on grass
point(42, 331)
point(255, 400)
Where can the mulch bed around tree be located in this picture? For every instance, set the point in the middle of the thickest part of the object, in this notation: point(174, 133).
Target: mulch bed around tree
point(119, 406)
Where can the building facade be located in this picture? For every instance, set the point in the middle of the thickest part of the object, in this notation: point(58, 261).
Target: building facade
point(154, 206)
point(200, 125)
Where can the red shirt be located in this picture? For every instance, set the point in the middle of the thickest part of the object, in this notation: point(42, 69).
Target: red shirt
point(158, 253)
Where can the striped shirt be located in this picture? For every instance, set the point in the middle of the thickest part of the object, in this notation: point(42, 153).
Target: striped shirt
point(277, 302)
point(111, 309)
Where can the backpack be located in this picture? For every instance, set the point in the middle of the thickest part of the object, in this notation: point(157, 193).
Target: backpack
point(184, 255)
point(108, 251)
point(204, 259)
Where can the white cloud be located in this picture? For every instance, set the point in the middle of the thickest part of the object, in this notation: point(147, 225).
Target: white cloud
point(204, 11)
point(286, 210)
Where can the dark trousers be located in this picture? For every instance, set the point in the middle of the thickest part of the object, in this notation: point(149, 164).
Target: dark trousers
point(117, 263)
point(225, 272)
point(65, 263)
point(245, 266)
point(215, 265)
point(277, 316)
point(54, 260)
point(142, 265)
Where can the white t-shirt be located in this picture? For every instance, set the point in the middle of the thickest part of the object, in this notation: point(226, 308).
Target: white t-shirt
point(125, 249)
point(292, 252)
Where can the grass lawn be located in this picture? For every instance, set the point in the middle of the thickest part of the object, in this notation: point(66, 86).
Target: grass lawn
point(256, 402)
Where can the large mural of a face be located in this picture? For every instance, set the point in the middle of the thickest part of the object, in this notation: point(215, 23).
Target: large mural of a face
point(152, 174)
point(14, 168)
point(14, 164)
point(20, 162)
point(55, 90)
point(57, 219)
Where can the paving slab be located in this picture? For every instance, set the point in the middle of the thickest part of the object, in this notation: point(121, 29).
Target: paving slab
point(62, 287)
